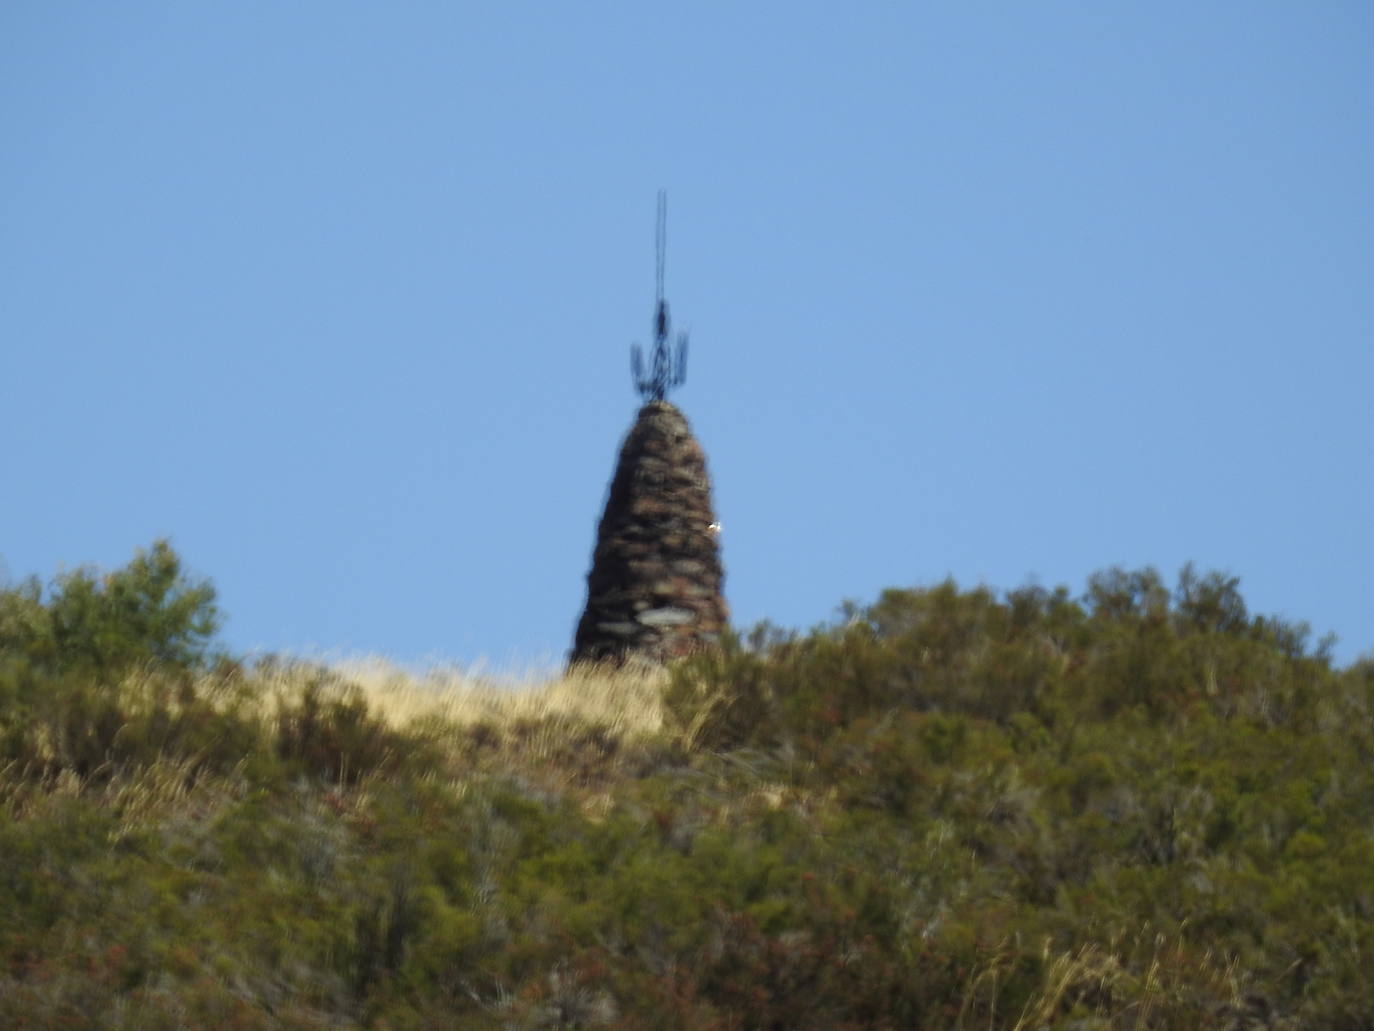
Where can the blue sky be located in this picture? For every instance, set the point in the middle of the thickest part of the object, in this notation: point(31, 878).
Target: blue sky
point(339, 296)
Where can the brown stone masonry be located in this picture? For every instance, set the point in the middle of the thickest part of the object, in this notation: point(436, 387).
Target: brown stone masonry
point(654, 590)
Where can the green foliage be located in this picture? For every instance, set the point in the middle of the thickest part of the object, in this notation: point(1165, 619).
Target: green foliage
point(147, 612)
point(325, 728)
point(108, 670)
point(1127, 644)
point(1138, 808)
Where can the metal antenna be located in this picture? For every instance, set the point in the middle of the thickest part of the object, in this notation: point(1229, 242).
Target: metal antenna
point(660, 246)
point(667, 371)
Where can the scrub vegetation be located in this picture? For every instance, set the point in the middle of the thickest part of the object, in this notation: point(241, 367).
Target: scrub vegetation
point(1138, 807)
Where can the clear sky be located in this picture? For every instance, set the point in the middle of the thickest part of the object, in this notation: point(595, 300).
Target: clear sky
point(339, 296)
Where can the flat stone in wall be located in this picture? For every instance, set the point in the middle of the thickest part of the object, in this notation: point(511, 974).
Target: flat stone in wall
point(654, 590)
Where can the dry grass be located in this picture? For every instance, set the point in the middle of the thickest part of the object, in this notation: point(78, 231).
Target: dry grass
point(627, 703)
point(581, 720)
point(1099, 985)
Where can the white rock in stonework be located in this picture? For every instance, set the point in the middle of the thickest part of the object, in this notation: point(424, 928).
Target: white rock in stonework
point(667, 617)
point(622, 629)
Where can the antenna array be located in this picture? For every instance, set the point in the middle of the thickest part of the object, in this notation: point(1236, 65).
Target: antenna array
point(667, 370)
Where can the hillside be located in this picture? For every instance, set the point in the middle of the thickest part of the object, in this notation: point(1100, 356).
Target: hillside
point(1138, 807)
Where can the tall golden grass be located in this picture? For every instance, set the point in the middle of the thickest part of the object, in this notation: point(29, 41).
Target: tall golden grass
point(533, 717)
point(626, 702)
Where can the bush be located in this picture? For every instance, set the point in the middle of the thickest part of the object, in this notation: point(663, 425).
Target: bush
point(109, 670)
point(324, 726)
point(1127, 644)
point(147, 612)
point(1135, 808)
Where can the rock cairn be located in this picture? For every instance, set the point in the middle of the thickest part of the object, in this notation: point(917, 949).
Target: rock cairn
point(654, 590)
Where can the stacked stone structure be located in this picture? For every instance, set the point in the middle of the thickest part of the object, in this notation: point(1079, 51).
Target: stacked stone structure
point(654, 590)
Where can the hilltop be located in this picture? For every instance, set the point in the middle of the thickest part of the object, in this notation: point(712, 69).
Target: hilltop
point(1140, 806)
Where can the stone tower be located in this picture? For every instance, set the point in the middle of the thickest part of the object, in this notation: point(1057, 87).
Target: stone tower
point(654, 590)
point(653, 594)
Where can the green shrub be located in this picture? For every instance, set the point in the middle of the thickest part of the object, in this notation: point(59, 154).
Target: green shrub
point(149, 612)
point(324, 726)
point(1136, 808)
point(1127, 644)
point(88, 723)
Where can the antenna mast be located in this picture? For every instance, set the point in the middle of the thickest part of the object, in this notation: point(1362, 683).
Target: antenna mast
point(666, 370)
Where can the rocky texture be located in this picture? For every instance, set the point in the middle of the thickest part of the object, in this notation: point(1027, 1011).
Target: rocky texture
point(654, 591)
